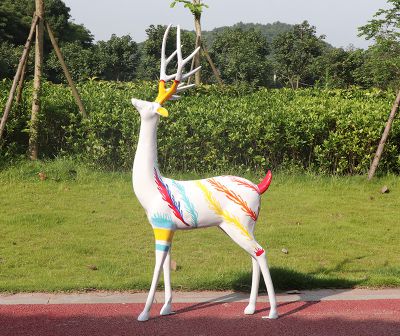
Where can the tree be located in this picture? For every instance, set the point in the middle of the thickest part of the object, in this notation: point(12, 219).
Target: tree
point(242, 56)
point(385, 25)
point(120, 58)
point(383, 58)
point(385, 29)
point(338, 67)
point(295, 51)
point(81, 61)
point(9, 58)
point(196, 8)
point(16, 18)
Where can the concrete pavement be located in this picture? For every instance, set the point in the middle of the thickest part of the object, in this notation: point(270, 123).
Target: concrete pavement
point(198, 297)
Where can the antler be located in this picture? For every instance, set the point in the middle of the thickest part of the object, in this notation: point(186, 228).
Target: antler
point(178, 77)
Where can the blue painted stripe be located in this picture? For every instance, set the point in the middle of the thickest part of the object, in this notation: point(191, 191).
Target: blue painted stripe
point(160, 247)
point(162, 221)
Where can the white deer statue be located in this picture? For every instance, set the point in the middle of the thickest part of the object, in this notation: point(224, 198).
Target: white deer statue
point(229, 202)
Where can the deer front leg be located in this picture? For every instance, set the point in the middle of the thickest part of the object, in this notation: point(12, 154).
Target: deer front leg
point(166, 309)
point(251, 307)
point(160, 258)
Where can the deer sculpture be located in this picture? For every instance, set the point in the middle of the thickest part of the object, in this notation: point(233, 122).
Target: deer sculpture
point(228, 202)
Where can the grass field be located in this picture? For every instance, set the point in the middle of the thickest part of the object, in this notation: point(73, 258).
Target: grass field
point(81, 230)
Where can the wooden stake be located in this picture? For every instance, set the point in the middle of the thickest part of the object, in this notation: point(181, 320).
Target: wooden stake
point(66, 72)
point(197, 26)
point(34, 126)
point(21, 81)
point(212, 65)
point(17, 77)
point(385, 135)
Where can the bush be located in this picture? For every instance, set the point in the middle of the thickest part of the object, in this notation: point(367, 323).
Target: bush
point(212, 128)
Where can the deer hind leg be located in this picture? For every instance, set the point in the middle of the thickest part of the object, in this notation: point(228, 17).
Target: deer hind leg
point(251, 307)
point(251, 246)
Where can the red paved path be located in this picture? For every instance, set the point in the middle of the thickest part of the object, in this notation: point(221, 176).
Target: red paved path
point(336, 318)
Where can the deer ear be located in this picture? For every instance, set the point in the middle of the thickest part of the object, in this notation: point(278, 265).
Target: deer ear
point(162, 111)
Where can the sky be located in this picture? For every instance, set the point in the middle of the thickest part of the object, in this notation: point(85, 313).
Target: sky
point(338, 20)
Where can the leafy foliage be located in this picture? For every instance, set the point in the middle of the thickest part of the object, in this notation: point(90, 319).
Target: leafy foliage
point(213, 129)
point(338, 68)
point(269, 30)
point(294, 53)
point(82, 63)
point(120, 56)
point(196, 8)
point(242, 56)
point(383, 58)
point(385, 25)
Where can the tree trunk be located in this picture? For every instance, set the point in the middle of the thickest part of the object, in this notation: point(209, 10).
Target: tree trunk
point(385, 135)
point(17, 77)
point(34, 127)
point(197, 27)
point(66, 72)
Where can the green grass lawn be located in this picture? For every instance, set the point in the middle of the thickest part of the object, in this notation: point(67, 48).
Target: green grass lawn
point(339, 232)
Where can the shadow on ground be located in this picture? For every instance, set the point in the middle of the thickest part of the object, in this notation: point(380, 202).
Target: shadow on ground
point(287, 279)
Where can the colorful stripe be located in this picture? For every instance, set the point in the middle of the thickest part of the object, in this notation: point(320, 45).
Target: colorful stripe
point(189, 207)
point(169, 198)
point(162, 221)
point(231, 195)
point(162, 234)
point(217, 208)
point(243, 182)
point(161, 247)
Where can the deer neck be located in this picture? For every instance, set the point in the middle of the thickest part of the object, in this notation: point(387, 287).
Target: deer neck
point(145, 159)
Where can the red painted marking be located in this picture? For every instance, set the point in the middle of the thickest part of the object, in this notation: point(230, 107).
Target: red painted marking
point(259, 251)
point(325, 318)
point(264, 184)
point(167, 197)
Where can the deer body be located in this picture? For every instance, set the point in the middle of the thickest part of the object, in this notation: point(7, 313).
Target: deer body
point(229, 202)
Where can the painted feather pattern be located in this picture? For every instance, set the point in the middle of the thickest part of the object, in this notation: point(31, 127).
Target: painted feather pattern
point(169, 198)
point(162, 221)
point(189, 207)
point(245, 183)
point(231, 195)
point(217, 208)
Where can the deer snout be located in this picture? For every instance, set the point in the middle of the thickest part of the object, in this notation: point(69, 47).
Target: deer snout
point(137, 103)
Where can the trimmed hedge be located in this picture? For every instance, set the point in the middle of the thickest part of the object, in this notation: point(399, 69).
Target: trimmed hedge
point(212, 128)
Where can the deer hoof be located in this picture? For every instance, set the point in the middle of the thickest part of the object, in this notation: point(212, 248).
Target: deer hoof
point(144, 316)
point(166, 309)
point(273, 315)
point(250, 309)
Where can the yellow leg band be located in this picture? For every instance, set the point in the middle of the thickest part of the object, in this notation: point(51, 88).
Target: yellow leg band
point(161, 234)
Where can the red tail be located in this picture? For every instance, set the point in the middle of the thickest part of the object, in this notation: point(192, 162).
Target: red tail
point(264, 184)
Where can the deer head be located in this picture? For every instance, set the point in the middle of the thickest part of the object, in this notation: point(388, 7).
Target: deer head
point(149, 110)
